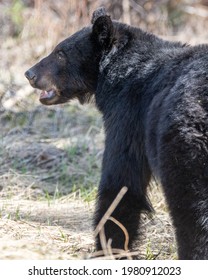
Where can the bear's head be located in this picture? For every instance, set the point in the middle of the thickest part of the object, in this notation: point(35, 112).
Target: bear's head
point(72, 69)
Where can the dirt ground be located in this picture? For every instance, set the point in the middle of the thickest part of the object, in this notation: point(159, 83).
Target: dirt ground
point(50, 157)
point(48, 186)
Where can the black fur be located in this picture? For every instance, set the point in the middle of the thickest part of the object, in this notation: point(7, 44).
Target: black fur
point(153, 95)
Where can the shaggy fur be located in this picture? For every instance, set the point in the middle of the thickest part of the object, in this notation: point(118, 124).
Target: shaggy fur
point(153, 95)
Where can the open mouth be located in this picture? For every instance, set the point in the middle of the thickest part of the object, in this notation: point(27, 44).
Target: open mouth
point(48, 94)
point(49, 97)
point(52, 97)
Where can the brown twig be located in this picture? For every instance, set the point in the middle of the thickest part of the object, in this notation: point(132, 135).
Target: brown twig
point(122, 227)
point(110, 210)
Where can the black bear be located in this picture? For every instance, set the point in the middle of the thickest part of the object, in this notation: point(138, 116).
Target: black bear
point(153, 95)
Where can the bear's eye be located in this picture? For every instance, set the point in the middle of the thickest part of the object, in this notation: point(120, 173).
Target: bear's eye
point(60, 55)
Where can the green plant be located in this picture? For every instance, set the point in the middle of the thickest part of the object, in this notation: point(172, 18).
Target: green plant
point(16, 11)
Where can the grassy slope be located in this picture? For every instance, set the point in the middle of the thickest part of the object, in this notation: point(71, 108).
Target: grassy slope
point(49, 176)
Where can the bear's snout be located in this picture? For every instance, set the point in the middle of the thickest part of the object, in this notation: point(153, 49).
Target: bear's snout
point(30, 75)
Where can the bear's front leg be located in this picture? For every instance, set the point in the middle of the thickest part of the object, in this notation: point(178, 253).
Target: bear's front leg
point(121, 168)
point(121, 228)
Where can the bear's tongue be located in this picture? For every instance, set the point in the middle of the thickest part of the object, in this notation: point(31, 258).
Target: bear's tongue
point(47, 94)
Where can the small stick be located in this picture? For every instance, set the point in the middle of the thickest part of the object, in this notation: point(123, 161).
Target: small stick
point(122, 227)
point(110, 210)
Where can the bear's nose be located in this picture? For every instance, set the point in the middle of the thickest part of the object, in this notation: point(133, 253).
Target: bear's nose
point(30, 75)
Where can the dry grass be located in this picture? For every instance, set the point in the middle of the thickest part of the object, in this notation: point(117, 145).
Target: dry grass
point(35, 226)
point(39, 230)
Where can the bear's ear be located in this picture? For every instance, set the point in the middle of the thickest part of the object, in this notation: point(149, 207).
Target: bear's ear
point(102, 29)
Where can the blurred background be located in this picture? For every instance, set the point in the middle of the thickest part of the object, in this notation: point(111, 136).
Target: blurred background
point(47, 153)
